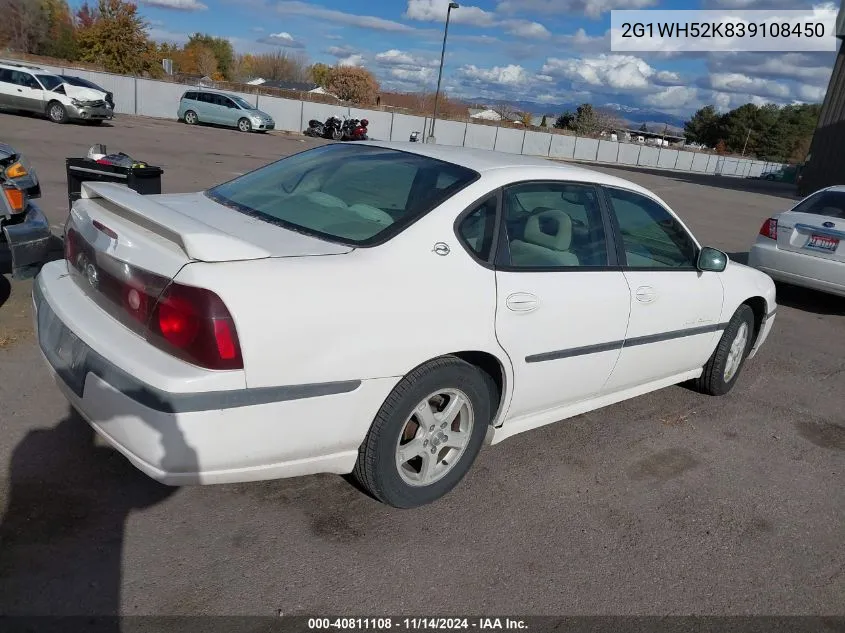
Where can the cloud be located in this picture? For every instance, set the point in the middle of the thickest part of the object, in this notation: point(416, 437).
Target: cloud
point(435, 11)
point(351, 60)
point(176, 5)
point(813, 94)
point(812, 68)
point(624, 72)
point(739, 83)
point(333, 37)
point(591, 8)
point(295, 7)
point(282, 39)
point(395, 57)
point(672, 98)
point(257, 29)
point(419, 76)
point(526, 29)
point(583, 43)
point(668, 78)
point(341, 51)
point(510, 75)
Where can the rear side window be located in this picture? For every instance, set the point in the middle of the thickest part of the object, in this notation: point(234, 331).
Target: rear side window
point(827, 203)
point(477, 228)
point(357, 195)
point(5, 75)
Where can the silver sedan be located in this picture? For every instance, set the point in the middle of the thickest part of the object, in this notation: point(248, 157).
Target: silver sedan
point(805, 246)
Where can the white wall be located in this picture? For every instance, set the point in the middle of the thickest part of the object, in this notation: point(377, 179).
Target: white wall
point(509, 140)
point(160, 99)
point(537, 143)
point(480, 136)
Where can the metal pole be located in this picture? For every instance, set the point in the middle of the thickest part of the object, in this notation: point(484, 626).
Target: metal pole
point(747, 136)
point(442, 58)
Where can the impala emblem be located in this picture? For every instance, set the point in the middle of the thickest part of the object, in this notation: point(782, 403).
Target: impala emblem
point(92, 275)
point(828, 225)
point(441, 248)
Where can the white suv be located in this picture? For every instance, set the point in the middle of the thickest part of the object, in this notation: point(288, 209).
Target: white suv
point(34, 89)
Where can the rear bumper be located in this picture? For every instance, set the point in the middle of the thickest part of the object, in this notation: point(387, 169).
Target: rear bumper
point(195, 437)
point(29, 242)
point(816, 273)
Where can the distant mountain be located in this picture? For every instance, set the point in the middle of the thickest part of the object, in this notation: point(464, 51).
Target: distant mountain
point(632, 116)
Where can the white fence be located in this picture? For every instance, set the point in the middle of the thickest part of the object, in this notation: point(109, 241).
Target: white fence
point(160, 99)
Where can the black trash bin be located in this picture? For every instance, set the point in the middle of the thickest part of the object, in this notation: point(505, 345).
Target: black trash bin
point(145, 180)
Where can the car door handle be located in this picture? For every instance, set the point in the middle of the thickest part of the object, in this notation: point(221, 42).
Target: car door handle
point(646, 294)
point(522, 302)
point(20, 90)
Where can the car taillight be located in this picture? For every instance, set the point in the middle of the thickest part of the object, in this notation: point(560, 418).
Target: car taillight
point(185, 321)
point(770, 229)
point(194, 324)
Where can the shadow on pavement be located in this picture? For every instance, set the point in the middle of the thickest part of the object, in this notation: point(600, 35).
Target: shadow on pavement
point(808, 300)
point(67, 503)
point(751, 185)
point(799, 298)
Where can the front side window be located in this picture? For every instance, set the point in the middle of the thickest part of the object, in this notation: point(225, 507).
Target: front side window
point(652, 237)
point(554, 225)
point(49, 81)
point(243, 104)
point(355, 195)
point(827, 203)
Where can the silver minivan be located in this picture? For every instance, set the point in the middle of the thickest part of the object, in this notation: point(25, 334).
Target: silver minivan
point(209, 106)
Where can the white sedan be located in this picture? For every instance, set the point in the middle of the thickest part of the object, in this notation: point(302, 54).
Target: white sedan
point(805, 246)
point(383, 309)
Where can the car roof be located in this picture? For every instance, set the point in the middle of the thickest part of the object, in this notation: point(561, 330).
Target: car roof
point(484, 160)
point(211, 90)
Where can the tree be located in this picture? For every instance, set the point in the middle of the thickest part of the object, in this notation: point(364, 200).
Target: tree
point(206, 61)
point(22, 27)
point(321, 74)
point(281, 65)
point(565, 121)
point(352, 83)
point(118, 40)
point(86, 15)
point(527, 119)
point(704, 126)
point(643, 128)
point(507, 112)
point(220, 48)
point(544, 123)
point(61, 31)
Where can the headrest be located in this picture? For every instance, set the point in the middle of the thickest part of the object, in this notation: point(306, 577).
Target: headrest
point(551, 229)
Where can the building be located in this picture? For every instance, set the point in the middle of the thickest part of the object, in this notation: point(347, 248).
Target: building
point(825, 164)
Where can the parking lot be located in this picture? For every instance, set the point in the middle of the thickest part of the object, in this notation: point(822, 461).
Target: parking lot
point(672, 503)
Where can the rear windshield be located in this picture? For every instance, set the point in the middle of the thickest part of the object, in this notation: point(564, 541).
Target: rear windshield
point(828, 203)
point(354, 194)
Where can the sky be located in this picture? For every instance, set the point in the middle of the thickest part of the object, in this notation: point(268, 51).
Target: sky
point(546, 51)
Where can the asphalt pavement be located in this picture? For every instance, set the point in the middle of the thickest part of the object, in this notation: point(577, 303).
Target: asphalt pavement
point(671, 503)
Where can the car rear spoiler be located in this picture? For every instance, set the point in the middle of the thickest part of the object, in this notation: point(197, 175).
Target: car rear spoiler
point(197, 239)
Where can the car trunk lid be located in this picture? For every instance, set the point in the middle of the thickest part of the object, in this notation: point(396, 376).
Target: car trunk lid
point(812, 234)
point(116, 238)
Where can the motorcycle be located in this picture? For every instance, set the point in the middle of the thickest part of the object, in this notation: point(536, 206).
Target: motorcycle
point(355, 129)
point(415, 137)
point(25, 229)
point(316, 129)
point(331, 129)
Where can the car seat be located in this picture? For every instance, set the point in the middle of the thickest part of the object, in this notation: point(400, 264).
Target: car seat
point(546, 240)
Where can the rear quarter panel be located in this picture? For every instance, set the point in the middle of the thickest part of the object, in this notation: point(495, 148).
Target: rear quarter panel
point(373, 313)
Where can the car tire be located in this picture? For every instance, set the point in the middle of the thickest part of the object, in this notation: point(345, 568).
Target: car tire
point(725, 365)
point(57, 112)
point(394, 459)
point(244, 125)
point(191, 117)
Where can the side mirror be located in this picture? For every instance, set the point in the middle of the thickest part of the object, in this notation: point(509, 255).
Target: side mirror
point(712, 260)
